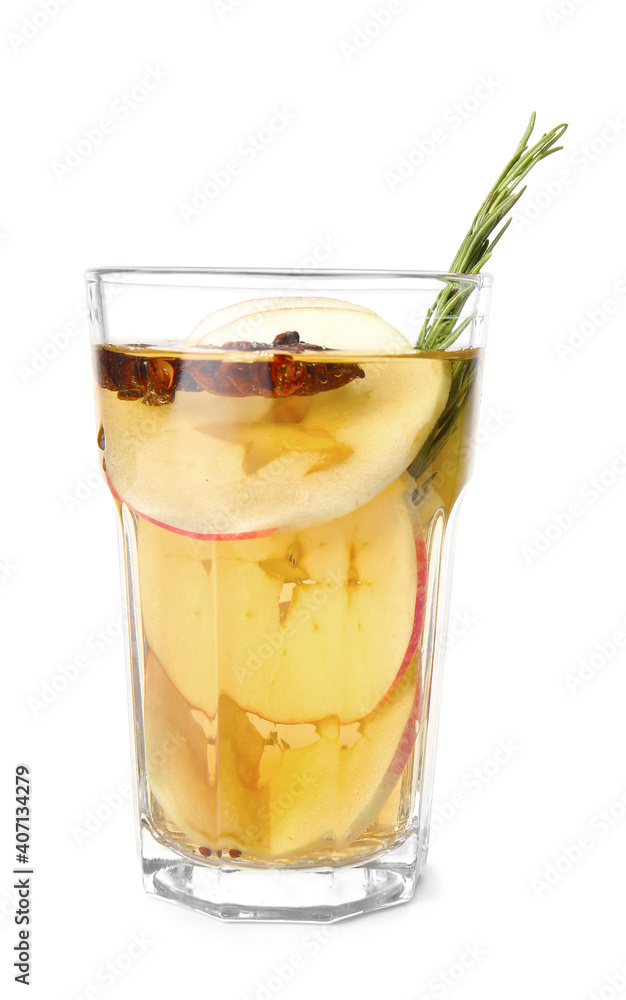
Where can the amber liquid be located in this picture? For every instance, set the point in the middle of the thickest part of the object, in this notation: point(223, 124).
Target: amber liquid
point(281, 570)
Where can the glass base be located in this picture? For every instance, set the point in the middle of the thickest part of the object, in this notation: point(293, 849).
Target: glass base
point(311, 895)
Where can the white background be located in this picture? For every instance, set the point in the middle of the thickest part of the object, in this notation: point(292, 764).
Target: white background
point(552, 422)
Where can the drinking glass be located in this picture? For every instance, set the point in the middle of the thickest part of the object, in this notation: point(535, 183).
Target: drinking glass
point(287, 451)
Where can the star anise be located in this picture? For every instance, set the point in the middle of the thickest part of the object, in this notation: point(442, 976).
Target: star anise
point(279, 376)
point(155, 380)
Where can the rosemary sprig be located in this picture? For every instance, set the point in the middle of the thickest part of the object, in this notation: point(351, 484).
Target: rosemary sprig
point(443, 325)
point(463, 375)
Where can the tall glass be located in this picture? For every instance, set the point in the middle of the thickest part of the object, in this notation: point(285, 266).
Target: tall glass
point(288, 468)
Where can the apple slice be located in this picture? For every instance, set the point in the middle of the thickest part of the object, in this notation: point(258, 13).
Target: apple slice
point(202, 612)
point(175, 753)
point(203, 536)
point(329, 323)
point(220, 466)
point(294, 627)
point(403, 750)
point(211, 781)
point(253, 308)
point(342, 789)
point(203, 772)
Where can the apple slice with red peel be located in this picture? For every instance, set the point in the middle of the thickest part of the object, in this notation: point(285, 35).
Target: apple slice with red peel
point(219, 466)
point(353, 624)
point(342, 789)
point(190, 534)
point(210, 780)
point(202, 612)
point(396, 768)
point(294, 627)
point(162, 465)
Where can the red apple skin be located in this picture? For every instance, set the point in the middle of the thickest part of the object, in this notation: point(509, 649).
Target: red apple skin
point(407, 741)
point(206, 538)
point(408, 738)
point(420, 614)
point(397, 765)
point(396, 768)
point(190, 534)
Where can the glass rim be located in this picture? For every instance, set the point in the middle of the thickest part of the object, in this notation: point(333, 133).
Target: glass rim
point(126, 274)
